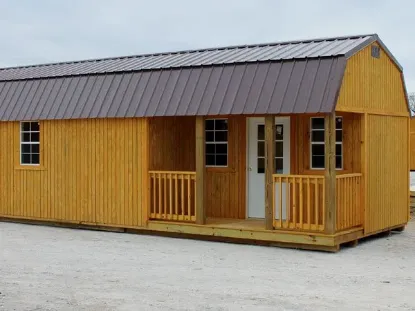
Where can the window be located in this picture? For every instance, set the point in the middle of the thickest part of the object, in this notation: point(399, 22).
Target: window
point(216, 131)
point(317, 143)
point(278, 149)
point(29, 143)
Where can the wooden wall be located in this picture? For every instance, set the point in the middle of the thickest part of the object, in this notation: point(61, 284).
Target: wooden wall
point(300, 144)
point(387, 172)
point(225, 192)
point(172, 144)
point(172, 147)
point(90, 172)
point(372, 85)
point(412, 145)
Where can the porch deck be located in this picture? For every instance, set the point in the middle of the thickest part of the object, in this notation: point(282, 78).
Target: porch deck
point(251, 231)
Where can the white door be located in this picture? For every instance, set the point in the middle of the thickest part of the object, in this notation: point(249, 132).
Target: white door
point(256, 163)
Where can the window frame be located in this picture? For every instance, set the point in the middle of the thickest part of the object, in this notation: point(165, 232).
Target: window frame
point(219, 142)
point(311, 143)
point(21, 131)
point(276, 140)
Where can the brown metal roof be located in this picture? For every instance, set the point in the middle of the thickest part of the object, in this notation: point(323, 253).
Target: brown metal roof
point(328, 47)
point(253, 88)
point(295, 77)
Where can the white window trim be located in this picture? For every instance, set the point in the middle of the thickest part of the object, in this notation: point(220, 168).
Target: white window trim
point(27, 143)
point(219, 142)
point(322, 143)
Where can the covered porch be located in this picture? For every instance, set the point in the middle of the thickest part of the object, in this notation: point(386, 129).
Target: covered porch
point(257, 174)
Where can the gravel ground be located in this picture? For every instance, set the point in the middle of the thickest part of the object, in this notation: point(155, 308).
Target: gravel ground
point(45, 268)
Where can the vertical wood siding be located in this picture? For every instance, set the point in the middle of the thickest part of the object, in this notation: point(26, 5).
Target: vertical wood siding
point(387, 172)
point(172, 144)
point(300, 145)
point(372, 85)
point(91, 171)
point(225, 192)
point(172, 148)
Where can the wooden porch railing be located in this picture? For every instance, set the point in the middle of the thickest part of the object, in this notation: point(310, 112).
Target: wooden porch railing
point(299, 202)
point(172, 195)
point(348, 200)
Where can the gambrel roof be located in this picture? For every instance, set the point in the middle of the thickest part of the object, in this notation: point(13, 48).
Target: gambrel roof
point(286, 77)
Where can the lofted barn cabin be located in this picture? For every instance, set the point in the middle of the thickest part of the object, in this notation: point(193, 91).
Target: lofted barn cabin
point(301, 144)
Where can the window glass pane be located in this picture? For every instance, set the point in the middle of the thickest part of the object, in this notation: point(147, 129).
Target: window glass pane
point(210, 148)
point(317, 150)
point(339, 134)
point(261, 165)
point(339, 123)
point(222, 149)
point(25, 137)
point(221, 124)
point(317, 136)
point(317, 161)
point(279, 132)
point(210, 159)
point(317, 123)
point(209, 125)
point(261, 149)
point(25, 148)
point(25, 126)
point(279, 152)
point(339, 162)
point(35, 158)
point(261, 132)
point(35, 148)
point(221, 136)
point(25, 158)
point(34, 137)
point(210, 136)
point(221, 160)
point(278, 165)
point(338, 149)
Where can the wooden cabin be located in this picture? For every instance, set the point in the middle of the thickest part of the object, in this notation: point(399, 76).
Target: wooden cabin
point(302, 143)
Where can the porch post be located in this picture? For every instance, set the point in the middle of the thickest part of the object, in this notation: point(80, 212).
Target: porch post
point(330, 172)
point(200, 170)
point(269, 169)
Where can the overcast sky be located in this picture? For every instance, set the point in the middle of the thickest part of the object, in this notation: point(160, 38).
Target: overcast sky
point(38, 31)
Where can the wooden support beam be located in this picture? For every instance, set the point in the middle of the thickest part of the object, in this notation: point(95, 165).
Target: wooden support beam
point(200, 171)
point(269, 170)
point(330, 172)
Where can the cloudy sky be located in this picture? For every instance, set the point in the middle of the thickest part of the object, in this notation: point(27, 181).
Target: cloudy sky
point(38, 31)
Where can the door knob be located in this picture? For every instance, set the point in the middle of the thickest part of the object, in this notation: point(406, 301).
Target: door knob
point(250, 168)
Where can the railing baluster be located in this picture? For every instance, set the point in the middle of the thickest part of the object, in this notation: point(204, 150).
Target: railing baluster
point(280, 204)
point(287, 202)
point(182, 190)
point(295, 202)
point(165, 195)
point(189, 205)
point(316, 202)
point(301, 202)
point(308, 204)
point(194, 199)
point(176, 196)
point(160, 193)
point(324, 205)
point(170, 197)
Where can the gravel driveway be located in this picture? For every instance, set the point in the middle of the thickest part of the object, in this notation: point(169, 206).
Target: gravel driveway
point(45, 268)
